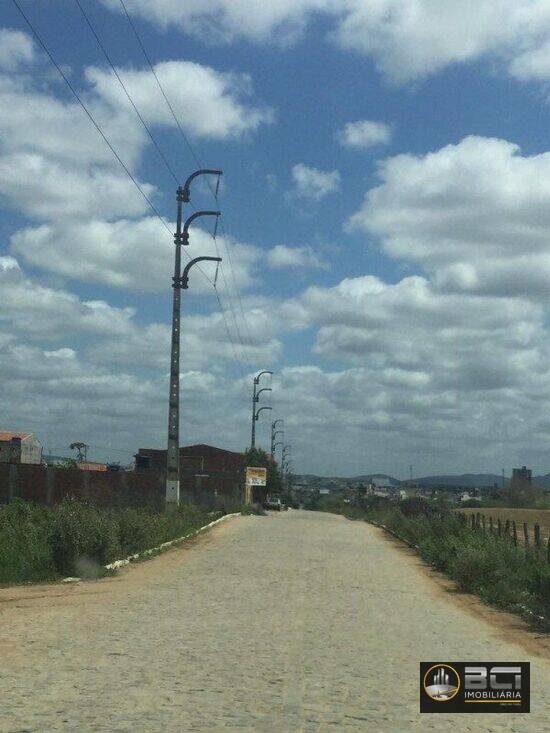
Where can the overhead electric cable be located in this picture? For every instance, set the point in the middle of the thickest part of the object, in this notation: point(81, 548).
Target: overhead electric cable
point(94, 122)
point(126, 92)
point(193, 154)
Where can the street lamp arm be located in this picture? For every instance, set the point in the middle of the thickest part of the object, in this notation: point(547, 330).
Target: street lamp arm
point(262, 408)
point(278, 432)
point(264, 389)
point(274, 424)
point(257, 377)
point(191, 178)
point(196, 215)
point(189, 265)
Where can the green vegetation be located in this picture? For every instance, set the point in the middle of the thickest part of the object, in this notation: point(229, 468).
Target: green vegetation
point(492, 567)
point(77, 538)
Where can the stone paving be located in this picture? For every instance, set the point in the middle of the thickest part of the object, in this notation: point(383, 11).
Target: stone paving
point(297, 621)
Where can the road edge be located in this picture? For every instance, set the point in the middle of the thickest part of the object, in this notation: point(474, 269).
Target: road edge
point(160, 548)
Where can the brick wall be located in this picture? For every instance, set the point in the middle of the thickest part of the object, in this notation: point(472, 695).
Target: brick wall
point(50, 485)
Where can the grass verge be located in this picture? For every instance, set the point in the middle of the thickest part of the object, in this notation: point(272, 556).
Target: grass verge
point(77, 538)
point(493, 568)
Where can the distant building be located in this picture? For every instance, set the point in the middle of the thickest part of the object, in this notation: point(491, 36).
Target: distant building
point(521, 477)
point(202, 467)
point(19, 448)
point(470, 496)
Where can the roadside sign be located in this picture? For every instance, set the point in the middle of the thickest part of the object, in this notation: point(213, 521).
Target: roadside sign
point(256, 476)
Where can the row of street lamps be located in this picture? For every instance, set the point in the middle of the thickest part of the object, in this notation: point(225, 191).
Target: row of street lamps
point(277, 427)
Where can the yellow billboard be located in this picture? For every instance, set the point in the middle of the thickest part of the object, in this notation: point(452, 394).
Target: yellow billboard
point(256, 476)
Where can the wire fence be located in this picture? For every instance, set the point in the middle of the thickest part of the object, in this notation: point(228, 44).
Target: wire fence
point(520, 533)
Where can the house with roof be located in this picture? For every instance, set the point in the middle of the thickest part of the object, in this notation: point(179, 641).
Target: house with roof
point(16, 447)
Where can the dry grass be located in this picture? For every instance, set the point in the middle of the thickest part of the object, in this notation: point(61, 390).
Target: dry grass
point(531, 516)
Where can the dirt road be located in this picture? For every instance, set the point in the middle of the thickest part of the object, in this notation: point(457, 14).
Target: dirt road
point(293, 622)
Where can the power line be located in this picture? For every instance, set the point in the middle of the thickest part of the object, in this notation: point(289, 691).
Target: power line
point(198, 163)
point(89, 114)
point(232, 270)
point(152, 68)
point(104, 137)
point(94, 122)
point(115, 72)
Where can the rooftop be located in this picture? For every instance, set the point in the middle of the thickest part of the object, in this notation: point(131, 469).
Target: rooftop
point(9, 434)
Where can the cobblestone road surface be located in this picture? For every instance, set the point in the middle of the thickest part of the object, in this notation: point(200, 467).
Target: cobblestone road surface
point(292, 622)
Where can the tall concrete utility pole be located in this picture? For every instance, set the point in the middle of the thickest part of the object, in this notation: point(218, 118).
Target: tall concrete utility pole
point(255, 397)
point(181, 238)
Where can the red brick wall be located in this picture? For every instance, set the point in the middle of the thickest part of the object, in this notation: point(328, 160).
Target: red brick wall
point(51, 485)
point(112, 488)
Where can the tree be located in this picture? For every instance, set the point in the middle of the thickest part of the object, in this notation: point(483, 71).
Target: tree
point(521, 494)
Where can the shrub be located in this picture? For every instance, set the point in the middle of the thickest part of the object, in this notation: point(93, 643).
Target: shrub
point(415, 506)
point(481, 563)
point(25, 543)
point(84, 538)
point(78, 538)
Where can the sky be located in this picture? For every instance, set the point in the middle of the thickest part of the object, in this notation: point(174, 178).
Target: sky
point(385, 228)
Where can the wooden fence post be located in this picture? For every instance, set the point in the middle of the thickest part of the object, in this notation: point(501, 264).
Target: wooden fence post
point(491, 525)
point(537, 536)
point(473, 521)
point(499, 527)
point(548, 550)
point(526, 534)
point(514, 532)
point(483, 521)
point(507, 528)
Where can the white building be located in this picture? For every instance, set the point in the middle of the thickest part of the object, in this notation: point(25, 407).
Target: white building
point(19, 448)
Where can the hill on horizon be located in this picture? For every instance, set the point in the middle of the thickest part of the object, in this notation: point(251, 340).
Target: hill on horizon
point(469, 480)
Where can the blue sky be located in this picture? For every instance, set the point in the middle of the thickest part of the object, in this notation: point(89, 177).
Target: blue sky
point(396, 286)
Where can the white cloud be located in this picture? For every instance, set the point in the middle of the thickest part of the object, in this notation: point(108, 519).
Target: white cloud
point(15, 48)
point(533, 64)
point(476, 215)
point(314, 184)
point(432, 371)
point(281, 257)
point(364, 134)
point(414, 38)
point(45, 189)
point(407, 39)
point(41, 312)
point(207, 102)
point(132, 254)
point(276, 21)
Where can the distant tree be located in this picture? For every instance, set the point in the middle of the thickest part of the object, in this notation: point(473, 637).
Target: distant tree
point(67, 464)
point(522, 494)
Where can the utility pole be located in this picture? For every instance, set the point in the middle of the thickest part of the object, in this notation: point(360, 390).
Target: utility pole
point(181, 238)
point(286, 460)
point(274, 433)
point(255, 398)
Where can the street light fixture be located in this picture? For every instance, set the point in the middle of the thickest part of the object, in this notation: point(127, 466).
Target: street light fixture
point(179, 283)
point(255, 397)
point(274, 433)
